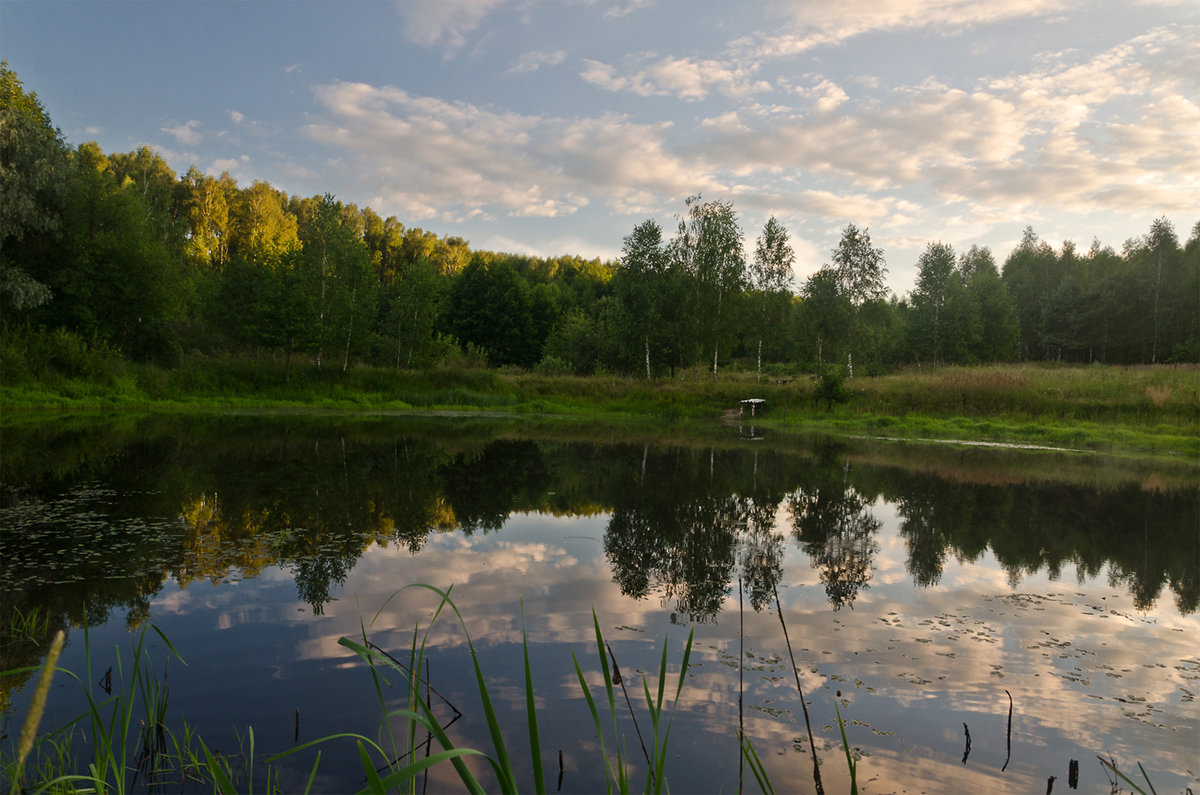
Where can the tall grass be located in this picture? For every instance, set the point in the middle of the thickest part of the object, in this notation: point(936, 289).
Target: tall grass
point(123, 751)
point(1094, 406)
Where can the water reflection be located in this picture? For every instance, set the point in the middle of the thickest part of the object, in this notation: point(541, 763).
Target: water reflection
point(98, 521)
point(156, 519)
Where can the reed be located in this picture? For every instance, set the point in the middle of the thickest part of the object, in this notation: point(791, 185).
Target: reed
point(123, 750)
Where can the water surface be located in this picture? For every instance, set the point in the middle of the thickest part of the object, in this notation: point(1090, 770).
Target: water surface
point(921, 588)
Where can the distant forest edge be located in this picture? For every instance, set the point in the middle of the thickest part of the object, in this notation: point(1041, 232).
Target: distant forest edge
point(118, 254)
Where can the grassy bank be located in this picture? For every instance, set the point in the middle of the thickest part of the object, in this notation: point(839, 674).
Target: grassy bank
point(1113, 409)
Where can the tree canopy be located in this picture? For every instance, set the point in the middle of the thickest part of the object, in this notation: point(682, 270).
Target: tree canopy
point(124, 253)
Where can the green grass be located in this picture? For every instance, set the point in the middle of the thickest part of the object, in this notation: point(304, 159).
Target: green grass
point(1135, 410)
point(126, 749)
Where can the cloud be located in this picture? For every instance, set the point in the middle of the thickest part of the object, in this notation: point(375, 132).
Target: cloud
point(237, 117)
point(1114, 131)
point(1102, 132)
point(820, 23)
point(827, 95)
point(431, 158)
point(291, 68)
point(532, 61)
point(443, 23)
point(229, 164)
point(186, 133)
point(618, 10)
point(687, 78)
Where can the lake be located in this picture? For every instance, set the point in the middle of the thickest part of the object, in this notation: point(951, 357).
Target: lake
point(981, 617)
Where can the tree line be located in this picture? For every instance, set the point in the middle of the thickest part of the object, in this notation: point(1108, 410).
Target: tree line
point(119, 251)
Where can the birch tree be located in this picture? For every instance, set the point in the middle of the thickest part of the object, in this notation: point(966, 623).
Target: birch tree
point(860, 271)
point(708, 248)
point(639, 283)
point(771, 271)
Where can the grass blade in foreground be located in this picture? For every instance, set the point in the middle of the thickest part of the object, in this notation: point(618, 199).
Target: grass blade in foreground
point(851, 762)
point(29, 730)
point(535, 745)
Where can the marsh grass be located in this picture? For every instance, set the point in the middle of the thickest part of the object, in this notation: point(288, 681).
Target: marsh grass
point(1096, 407)
point(124, 752)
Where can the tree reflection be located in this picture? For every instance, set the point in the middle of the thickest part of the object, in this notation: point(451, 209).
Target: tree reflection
point(97, 519)
point(833, 525)
point(761, 553)
point(684, 545)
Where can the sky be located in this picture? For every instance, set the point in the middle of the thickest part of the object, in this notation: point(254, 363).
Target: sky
point(556, 127)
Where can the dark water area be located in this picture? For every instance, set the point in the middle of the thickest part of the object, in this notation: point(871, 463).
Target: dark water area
point(921, 587)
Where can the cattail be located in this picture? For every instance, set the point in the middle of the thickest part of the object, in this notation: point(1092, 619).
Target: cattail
point(29, 730)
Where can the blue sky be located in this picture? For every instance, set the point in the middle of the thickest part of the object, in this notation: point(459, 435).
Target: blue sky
point(556, 127)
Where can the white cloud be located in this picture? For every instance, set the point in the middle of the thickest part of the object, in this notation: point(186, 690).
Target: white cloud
point(617, 10)
point(532, 61)
point(827, 95)
point(1111, 131)
point(432, 158)
point(443, 23)
point(291, 68)
point(604, 76)
point(818, 23)
point(186, 133)
point(1056, 135)
point(236, 117)
point(687, 78)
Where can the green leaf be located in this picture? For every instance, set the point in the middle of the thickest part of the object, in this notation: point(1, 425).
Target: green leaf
point(374, 785)
point(535, 745)
point(217, 771)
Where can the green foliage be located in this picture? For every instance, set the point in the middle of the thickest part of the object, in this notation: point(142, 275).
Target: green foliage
point(121, 251)
point(33, 162)
point(825, 316)
point(492, 308)
point(642, 287)
point(707, 251)
point(851, 761)
point(574, 344)
point(859, 266)
point(771, 272)
point(33, 174)
point(124, 748)
point(552, 365)
point(831, 386)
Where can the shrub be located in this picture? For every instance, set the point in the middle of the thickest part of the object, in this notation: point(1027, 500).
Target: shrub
point(552, 365)
point(831, 386)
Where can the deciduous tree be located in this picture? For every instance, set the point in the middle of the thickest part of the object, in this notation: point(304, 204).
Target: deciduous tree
point(708, 249)
point(771, 272)
point(33, 178)
point(640, 285)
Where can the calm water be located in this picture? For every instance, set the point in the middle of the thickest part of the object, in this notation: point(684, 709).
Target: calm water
point(924, 585)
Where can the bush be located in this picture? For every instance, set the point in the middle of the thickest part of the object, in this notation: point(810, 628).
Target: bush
point(831, 386)
point(552, 365)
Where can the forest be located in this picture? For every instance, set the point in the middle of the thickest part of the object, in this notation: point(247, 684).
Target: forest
point(116, 252)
